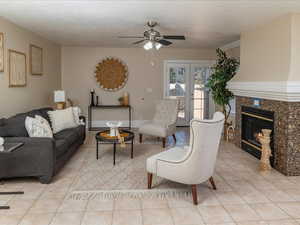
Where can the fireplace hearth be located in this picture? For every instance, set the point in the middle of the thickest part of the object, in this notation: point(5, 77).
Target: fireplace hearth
point(253, 121)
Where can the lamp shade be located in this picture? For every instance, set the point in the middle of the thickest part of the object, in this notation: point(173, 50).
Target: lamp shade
point(59, 96)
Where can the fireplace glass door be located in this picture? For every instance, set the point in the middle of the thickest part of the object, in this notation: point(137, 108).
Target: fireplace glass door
point(253, 121)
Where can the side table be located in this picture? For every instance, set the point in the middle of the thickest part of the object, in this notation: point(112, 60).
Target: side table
point(94, 107)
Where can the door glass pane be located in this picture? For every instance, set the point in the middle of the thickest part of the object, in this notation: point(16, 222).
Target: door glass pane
point(177, 89)
point(200, 93)
point(177, 82)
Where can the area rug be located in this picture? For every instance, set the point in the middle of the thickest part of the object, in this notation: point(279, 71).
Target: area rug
point(128, 178)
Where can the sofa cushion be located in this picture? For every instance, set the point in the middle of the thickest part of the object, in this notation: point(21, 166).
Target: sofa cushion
point(2, 130)
point(80, 130)
point(154, 129)
point(2, 121)
point(65, 139)
point(15, 126)
point(61, 146)
point(174, 155)
point(69, 135)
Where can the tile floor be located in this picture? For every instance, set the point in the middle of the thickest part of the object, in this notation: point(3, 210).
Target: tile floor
point(244, 197)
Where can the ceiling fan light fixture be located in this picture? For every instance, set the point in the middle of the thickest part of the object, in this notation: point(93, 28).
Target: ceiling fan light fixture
point(153, 38)
point(158, 45)
point(148, 45)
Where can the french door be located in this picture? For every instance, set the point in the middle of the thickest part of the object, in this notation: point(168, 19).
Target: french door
point(185, 81)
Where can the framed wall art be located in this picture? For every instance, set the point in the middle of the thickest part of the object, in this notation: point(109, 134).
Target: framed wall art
point(36, 60)
point(1, 52)
point(17, 68)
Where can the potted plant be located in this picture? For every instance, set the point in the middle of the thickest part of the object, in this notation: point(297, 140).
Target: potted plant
point(224, 70)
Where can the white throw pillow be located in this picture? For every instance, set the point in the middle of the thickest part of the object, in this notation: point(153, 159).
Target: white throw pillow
point(76, 113)
point(62, 119)
point(38, 127)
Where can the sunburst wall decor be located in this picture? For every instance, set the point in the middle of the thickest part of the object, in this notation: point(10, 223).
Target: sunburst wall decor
point(111, 74)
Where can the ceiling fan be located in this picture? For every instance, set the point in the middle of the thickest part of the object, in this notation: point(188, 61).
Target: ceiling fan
point(153, 39)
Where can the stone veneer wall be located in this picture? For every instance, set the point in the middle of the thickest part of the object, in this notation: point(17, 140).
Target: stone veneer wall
point(286, 132)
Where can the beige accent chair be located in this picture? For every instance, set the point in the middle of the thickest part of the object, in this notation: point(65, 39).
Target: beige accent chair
point(193, 164)
point(164, 122)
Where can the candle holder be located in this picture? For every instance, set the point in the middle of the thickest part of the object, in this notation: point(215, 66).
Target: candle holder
point(92, 97)
point(126, 98)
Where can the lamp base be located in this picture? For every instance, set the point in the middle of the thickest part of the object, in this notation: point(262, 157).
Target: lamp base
point(60, 105)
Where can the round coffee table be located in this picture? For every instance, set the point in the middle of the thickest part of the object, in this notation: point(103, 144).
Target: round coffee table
point(103, 137)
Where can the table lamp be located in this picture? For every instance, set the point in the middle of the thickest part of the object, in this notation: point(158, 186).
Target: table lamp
point(60, 99)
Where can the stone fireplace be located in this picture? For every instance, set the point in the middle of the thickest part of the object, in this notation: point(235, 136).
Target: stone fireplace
point(283, 118)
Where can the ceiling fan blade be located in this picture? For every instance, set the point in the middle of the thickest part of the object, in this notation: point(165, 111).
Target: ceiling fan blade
point(165, 42)
point(174, 37)
point(130, 36)
point(137, 42)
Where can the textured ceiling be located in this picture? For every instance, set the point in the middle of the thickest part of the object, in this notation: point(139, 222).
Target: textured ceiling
point(206, 24)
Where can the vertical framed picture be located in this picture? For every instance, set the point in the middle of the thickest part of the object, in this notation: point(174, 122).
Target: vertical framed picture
point(36, 60)
point(17, 68)
point(1, 52)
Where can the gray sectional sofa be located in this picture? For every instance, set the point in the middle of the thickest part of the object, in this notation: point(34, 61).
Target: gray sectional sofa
point(38, 157)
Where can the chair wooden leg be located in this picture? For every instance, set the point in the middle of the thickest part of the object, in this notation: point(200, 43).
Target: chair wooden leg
point(164, 142)
point(150, 175)
point(174, 138)
point(211, 180)
point(194, 193)
point(141, 138)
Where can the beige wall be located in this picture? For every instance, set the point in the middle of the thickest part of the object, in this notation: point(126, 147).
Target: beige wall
point(38, 92)
point(234, 52)
point(266, 52)
point(78, 66)
point(295, 48)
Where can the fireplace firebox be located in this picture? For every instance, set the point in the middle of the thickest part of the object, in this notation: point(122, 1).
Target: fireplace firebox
point(253, 121)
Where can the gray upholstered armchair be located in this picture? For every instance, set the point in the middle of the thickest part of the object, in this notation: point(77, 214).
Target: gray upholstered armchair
point(164, 122)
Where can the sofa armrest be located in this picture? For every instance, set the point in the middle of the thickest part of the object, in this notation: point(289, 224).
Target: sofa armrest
point(37, 158)
point(82, 118)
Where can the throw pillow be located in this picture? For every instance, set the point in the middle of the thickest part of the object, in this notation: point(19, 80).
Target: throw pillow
point(38, 127)
point(62, 119)
point(76, 113)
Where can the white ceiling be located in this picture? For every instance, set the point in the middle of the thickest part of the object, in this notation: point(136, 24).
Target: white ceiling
point(206, 24)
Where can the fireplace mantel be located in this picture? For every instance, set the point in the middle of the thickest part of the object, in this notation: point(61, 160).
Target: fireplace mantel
point(288, 91)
